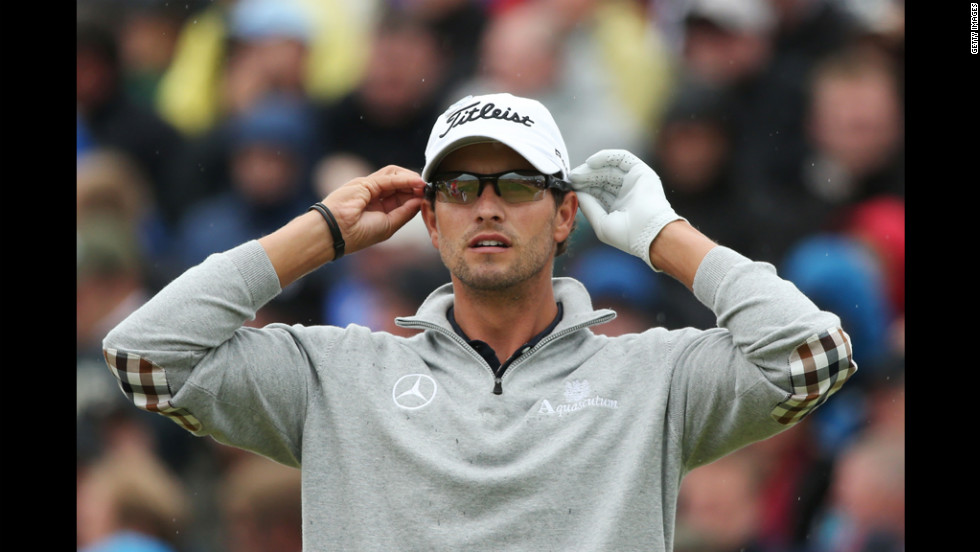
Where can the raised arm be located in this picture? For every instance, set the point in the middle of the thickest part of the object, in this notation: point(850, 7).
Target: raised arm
point(769, 332)
point(187, 354)
point(367, 210)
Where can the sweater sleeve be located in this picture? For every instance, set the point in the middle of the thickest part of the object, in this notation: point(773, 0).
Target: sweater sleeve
point(772, 360)
point(187, 355)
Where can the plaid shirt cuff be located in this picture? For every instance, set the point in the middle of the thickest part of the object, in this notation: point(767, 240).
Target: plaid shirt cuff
point(145, 384)
point(818, 369)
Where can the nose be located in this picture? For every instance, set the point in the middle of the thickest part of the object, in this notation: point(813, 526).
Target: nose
point(488, 204)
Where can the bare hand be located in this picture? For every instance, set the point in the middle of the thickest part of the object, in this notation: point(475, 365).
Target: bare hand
point(372, 208)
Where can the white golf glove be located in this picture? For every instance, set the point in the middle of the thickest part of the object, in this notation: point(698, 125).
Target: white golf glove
point(623, 200)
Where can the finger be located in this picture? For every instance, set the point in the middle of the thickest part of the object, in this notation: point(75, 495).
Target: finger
point(400, 215)
point(584, 175)
point(373, 188)
point(607, 158)
point(389, 199)
point(389, 177)
point(628, 161)
point(392, 200)
point(592, 209)
point(600, 158)
point(604, 184)
point(579, 176)
point(398, 180)
point(391, 169)
point(606, 177)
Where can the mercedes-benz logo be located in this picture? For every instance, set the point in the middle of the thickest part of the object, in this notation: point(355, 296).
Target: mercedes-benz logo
point(414, 391)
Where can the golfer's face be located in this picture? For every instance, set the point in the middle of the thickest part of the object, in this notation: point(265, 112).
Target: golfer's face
point(490, 243)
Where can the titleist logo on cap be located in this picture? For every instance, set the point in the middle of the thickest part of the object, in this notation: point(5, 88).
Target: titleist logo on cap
point(489, 110)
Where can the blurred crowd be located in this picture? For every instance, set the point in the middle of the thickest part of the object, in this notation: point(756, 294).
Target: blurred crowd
point(777, 127)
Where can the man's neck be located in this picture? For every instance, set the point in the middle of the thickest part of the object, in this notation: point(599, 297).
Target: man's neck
point(505, 319)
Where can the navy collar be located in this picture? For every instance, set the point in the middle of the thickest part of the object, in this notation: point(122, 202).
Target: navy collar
point(489, 354)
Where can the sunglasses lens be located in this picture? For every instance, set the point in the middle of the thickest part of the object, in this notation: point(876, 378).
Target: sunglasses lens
point(462, 189)
point(513, 187)
point(516, 188)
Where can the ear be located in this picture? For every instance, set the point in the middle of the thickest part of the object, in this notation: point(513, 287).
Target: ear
point(565, 217)
point(429, 217)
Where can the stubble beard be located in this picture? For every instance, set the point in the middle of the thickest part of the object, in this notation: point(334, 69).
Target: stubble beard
point(489, 275)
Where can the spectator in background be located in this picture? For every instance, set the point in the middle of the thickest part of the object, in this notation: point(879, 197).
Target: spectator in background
point(723, 48)
point(763, 52)
point(803, 32)
point(856, 131)
point(527, 50)
point(113, 203)
point(795, 478)
point(615, 280)
point(866, 510)
point(458, 26)
point(386, 119)
point(260, 503)
point(718, 508)
point(864, 506)
point(839, 272)
point(109, 183)
point(727, 42)
point(148, 32)
point(127, 501)
point(268, 53)
point(885, 412)
point(628, 52)
point(855, 148)
point(693, 152)
point(109, 285)
point(880, 224)
point(859, 510)
point(879, 26)
point(107, 246)
point(269, 160)
point(113, 120)
point(265, 52)
point(808, 30)
point(520, 52)
point(322, 39)
point(727, 46)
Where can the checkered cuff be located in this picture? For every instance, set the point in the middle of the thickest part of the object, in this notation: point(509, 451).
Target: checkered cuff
point(818, 369)
point(145, 384)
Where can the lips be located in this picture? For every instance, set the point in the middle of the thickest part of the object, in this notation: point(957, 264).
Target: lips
point(489, 241)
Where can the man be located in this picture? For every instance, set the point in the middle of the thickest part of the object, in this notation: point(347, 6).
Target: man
point(507, 423)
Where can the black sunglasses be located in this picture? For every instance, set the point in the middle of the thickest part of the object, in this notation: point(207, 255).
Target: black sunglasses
point(511, 186)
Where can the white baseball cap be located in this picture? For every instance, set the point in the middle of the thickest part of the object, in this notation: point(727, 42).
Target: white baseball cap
point(523, 124)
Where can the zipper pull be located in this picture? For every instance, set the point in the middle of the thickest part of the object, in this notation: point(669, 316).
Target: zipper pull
point(497, 386)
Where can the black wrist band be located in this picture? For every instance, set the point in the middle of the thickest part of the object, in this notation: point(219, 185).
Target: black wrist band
point(338, 239)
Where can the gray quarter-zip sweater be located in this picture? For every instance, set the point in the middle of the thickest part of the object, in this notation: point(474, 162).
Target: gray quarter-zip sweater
point(403, 444)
